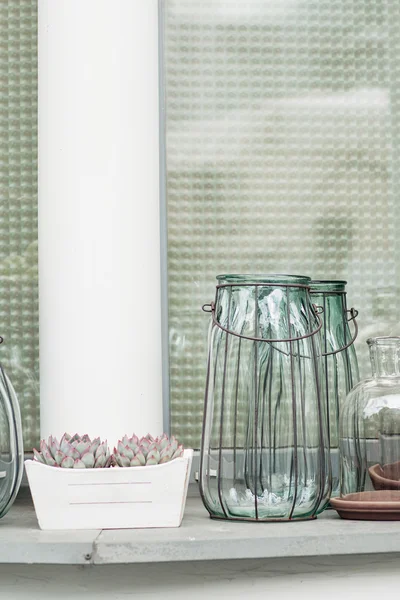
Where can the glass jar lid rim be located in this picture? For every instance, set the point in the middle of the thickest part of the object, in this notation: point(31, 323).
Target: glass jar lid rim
point(321, 286)
point(265, 278)
point(395, 339)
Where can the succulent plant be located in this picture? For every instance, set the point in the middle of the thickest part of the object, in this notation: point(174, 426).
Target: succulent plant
point(74, 452)
point(135, 452)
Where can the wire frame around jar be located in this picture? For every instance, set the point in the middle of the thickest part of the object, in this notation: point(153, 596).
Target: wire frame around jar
point(265, 450)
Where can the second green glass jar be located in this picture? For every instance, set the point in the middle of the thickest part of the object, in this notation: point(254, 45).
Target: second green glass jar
point(339, 359)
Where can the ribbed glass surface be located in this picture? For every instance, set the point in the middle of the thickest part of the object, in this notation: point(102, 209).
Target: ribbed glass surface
point(282, 156)
point(18, 207)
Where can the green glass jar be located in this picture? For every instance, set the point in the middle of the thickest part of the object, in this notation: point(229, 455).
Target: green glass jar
point(265, 450)
point(370, 425)
point(11, 444)
point(339, 359)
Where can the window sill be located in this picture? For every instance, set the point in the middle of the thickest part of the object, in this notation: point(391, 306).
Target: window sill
point(199, 538)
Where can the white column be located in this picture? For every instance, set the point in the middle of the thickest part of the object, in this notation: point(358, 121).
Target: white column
point(99, 230)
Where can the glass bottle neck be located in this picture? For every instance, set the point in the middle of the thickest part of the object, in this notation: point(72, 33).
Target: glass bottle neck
point(385, 357)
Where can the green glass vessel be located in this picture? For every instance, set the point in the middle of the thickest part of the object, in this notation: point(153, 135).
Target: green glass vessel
point(265, 449)
point(339, 359)
point(11, 444)
point(370, 425)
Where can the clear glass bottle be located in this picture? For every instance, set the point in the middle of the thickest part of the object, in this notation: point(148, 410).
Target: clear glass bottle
point(370, 424)
point(339, 359)
point(11, 444)
point(265, 449)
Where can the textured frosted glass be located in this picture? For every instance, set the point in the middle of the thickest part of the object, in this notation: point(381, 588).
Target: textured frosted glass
point(282, 156)
point(18, 207)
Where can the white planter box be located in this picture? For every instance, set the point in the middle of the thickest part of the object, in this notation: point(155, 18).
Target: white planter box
point(115, 498)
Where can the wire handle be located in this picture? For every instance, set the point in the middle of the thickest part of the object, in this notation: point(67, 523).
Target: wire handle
point(353, 317)
point(210, 308)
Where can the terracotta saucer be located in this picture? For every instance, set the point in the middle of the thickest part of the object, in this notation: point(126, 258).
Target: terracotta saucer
point(382, 505)
point(387, 478)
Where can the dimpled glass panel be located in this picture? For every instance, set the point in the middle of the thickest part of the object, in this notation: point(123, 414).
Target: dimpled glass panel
point(283, 125)
point(19, 352)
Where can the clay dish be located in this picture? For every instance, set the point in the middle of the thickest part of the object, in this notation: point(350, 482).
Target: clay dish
point(387, 478)
point(382, 505)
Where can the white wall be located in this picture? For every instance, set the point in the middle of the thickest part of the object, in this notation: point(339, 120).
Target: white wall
point(325, 578)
